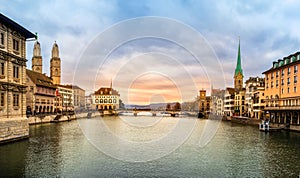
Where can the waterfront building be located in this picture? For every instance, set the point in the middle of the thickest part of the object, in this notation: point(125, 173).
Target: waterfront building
point(204, 102)
point(229, 101)
point(78, 96)
point(40, 93)
point(88, 101)
point(255, 88)
point(106, 98)
point(55, 65)
point(282, 91)
point(64, 100)
point(239, 102)
point(217, 101)
point(13, 79)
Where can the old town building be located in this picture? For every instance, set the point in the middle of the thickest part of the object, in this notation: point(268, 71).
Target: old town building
point(78, 97)
point(229, 101)
point(282, 91)
point(13, 79)
point(204, 102)
point(255, 98)
point(40, 93)
point(64, 100)
point(217, 101)
point(106, 99)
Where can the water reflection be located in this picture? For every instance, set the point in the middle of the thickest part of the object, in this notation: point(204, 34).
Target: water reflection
point(61, 149)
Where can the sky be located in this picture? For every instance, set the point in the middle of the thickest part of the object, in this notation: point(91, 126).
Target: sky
point(103, 41)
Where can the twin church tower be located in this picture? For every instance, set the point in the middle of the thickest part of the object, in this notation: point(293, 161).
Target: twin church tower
point(55, 65)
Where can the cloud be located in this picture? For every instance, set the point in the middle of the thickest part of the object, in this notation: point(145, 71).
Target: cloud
point(268, 31)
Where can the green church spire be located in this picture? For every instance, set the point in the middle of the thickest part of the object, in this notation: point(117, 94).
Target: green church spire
point(238, 68)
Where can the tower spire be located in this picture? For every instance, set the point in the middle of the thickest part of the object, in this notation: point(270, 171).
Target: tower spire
point(111, 83)
point(238, 74)
point(238, 68)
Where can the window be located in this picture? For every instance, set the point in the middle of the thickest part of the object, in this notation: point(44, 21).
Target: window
point(16, 71)
point(1, 38)
point(2, 68)
point(282, 81)
point(295, 79)
point(15, 99)
point(288, 90)
point(15, 45)
point(1, 99)
point(272, 75)
point(289, 71)
point(276, 83)
point(282, 91)
point(295, 69)
point(282, 72)
point(277, 73)
point(288, 81)
point(295, 89)
point(271, 84)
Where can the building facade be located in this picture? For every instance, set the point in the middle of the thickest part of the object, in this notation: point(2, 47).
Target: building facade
point(204, 102)
point(13, 122)
point(78, 97)
point(40, 93)
point(239, 102)
point(217, 101)
point(106, 99)
point(64, 100)
point(229, 101)
point(255, 98)
point(12, 68)
point(282, 91)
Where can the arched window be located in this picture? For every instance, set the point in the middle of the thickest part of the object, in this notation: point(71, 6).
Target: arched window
point(105, 100)
point(96, 101)
point(101, 100)
point(110, 101)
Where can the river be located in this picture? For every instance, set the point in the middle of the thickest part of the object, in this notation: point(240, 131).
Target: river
point(151, 147)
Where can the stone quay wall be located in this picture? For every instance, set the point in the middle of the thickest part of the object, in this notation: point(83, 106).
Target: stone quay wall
point(12, 129)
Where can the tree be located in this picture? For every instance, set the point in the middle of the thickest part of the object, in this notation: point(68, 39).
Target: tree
point(177, 106)
point(168, 107)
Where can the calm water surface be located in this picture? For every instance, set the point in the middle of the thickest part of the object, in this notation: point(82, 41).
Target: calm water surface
point(61, 149)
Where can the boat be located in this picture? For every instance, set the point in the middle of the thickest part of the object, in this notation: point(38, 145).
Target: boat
point(264, 126)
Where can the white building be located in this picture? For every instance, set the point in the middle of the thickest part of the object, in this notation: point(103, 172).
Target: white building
point(229, 101)
point(106, 99)
point(64, 99)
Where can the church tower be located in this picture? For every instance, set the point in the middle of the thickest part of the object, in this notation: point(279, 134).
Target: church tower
point(55, 69)
point(37, 61)
point(238, 74)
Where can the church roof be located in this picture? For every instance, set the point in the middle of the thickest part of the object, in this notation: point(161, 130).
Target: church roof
point(39, 79)
point(238, 68)
point(12, 24)
point(106, 91)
